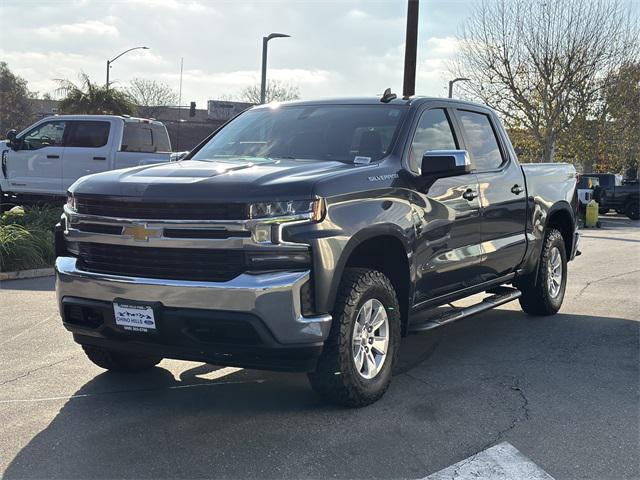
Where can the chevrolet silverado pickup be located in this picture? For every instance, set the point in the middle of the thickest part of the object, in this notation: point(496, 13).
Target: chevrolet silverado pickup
point(311, 236)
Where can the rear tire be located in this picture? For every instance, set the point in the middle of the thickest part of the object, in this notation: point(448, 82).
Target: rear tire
point(544, 296)
point(631, 210)
point(355, 366)
point(118, 361)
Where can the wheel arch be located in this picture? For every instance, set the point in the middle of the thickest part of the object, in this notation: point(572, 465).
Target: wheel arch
point(382, 248)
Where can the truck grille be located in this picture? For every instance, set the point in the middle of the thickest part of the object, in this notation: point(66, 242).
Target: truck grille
point(127, 208)
point(168, 263)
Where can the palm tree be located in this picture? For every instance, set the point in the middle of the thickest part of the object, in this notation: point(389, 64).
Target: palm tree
point(90, 98)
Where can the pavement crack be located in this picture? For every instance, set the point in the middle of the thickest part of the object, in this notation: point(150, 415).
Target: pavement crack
point(29, 372)
point(582, 290)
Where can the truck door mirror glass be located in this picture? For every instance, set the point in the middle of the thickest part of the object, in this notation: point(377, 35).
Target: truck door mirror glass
point(446, 163)
point(11, 137)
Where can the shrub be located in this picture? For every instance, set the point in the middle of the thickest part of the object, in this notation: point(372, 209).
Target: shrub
point(26, 238)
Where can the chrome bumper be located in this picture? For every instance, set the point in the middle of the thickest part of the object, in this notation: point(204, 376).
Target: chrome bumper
point(273, 297)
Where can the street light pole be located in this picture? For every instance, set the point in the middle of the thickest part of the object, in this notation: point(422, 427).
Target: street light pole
point(451, 82)
point(263, 83)
point(109, 62)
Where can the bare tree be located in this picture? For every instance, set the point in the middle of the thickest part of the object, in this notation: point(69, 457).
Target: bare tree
point(151, 97)
point(540, 63)
point(276, 92)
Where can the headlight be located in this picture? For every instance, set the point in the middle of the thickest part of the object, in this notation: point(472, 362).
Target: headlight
point(298, 208)
point(71, 202)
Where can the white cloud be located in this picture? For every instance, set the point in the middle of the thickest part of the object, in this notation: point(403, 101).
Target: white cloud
point(87, 28)
point(442, 46)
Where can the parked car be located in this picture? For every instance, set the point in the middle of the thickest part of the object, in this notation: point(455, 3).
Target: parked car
point(42, 161)
point(620, 195)
point(311, 236)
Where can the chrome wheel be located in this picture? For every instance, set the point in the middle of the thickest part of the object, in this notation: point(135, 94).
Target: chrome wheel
point(554, 272)
point(370, 338)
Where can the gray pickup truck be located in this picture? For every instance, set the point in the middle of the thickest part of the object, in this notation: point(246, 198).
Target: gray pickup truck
point(311, 236)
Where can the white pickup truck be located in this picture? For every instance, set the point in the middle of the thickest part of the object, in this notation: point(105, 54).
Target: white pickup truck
point(42, 161)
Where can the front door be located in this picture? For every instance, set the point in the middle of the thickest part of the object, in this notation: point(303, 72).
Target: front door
point(502, 194)
point(447, 251)
point(87, 150)
point(36, 167)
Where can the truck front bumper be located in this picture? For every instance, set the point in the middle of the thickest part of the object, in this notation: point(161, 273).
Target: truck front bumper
point(252, 321)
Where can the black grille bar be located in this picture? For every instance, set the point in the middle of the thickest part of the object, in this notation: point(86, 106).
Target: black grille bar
point(169, 263)
point(136, 209)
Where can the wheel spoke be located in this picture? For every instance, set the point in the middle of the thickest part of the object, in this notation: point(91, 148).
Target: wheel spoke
point(379, 318)
point(366, 311)
point(359, 359)
point(380, 345)
point(371, 363)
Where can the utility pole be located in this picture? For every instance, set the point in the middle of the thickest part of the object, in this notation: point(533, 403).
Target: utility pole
point(179, 107)
point(263, 82)
point(451, 82)
point(109, 62)
point(411, 49)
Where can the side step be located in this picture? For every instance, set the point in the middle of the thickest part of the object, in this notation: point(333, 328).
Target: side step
point(501, 295)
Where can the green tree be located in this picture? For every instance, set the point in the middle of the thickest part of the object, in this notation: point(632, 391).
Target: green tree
point(15, 108)
point(93, 99)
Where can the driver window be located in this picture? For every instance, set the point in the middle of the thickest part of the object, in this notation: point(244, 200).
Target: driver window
point(433, 133)
point(48, 134)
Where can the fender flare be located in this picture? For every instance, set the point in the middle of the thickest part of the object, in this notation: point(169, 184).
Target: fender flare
point(381, 230)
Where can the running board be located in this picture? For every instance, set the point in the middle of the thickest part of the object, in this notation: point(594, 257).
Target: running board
point(501, 295)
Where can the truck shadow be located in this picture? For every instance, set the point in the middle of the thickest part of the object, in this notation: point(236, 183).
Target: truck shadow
point(451, 387)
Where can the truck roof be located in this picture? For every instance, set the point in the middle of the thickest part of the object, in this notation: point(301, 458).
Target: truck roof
point(126, 118)
point(375, 100)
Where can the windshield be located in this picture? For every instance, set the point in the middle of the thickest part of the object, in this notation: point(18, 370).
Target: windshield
point(327, 132)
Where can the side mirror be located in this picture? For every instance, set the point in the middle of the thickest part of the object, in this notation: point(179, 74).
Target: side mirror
point(11, 137)
point(446, 163)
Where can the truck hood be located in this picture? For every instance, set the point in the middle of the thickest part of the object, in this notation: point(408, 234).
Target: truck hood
point(227, 180)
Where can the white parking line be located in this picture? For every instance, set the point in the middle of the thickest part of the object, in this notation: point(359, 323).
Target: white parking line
point(500, 462)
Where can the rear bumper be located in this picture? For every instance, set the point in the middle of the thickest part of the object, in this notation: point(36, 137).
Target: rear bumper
point(251, 321)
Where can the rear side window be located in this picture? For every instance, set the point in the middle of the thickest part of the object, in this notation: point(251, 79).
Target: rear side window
point(433, 133)
point(145, 138)
point(480, 140)
point(88, 134)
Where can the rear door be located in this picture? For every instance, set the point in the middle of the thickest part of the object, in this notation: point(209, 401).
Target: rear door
point(448, 252)
point(502, 190)
point(36, 167)
point(88, 149)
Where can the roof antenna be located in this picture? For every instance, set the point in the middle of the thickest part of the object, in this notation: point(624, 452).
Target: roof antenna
point(387, 96)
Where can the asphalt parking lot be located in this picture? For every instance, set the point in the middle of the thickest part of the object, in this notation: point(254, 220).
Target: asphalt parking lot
point(563, 390)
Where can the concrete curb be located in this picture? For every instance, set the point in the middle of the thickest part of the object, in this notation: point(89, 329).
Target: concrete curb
point(38, 272)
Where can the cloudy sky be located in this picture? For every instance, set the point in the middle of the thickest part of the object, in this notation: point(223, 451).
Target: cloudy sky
point(338, 47)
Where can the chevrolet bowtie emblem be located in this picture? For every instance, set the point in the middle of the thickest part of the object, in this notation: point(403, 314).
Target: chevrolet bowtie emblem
point(141, 233)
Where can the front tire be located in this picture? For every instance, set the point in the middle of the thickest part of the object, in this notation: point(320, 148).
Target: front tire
point(118, 361)
point(543, 295)
point(631, 210)
point(355, 366)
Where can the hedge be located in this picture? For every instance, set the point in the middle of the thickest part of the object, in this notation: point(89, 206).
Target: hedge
point(26, 238)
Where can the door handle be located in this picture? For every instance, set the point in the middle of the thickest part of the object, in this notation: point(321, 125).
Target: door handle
point(517, 189)
point(469, 194)
point(53, 156)
point(99, 158)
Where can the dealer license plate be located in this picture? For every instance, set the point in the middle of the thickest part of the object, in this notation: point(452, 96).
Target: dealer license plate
point(135, 318)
